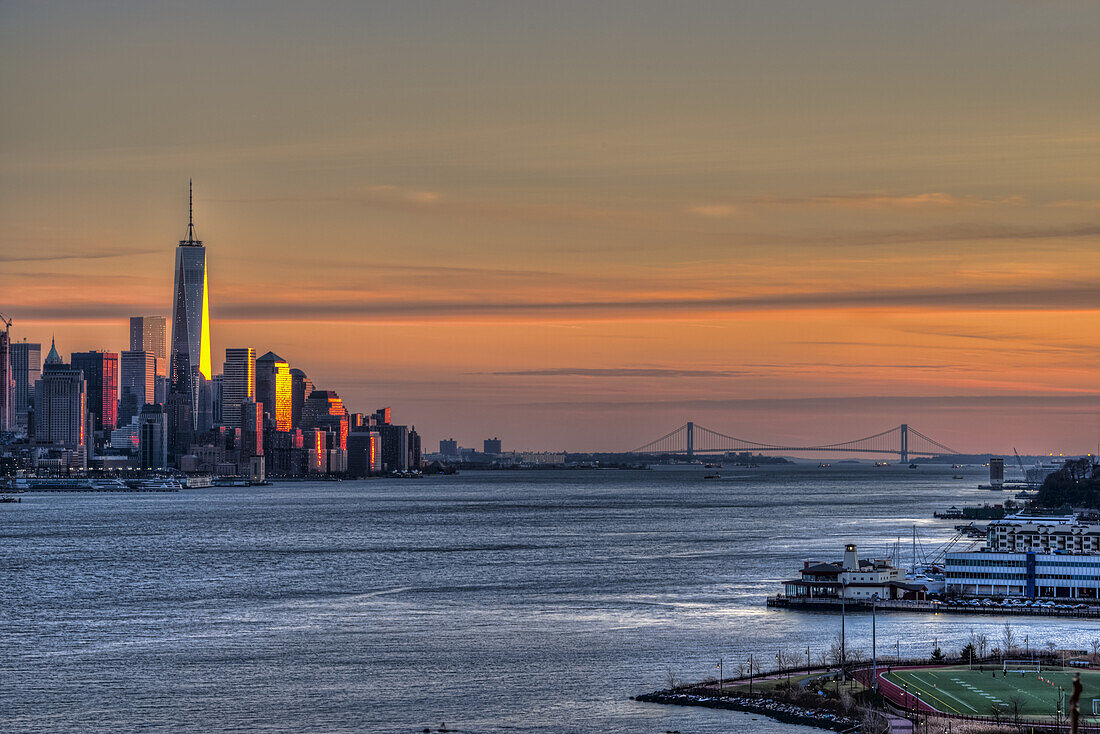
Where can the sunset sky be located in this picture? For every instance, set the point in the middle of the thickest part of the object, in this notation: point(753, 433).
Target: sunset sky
point(576, 225)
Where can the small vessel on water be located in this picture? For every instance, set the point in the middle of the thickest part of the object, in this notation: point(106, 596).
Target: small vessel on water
point(713, 476)
point(824, 465)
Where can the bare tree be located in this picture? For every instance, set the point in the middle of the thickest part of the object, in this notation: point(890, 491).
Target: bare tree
point(1015, 702)
point(670, 679)
point(1095, 648)
point(836, 651)
point(872, 722)
point(982, 644)
point(1008, 639)
point(791, 660)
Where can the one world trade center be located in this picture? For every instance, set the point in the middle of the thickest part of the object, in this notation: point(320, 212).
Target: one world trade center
point(190, 354)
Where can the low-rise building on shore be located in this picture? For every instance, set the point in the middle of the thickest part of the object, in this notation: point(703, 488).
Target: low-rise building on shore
point(1052, 556)
point(852, 578)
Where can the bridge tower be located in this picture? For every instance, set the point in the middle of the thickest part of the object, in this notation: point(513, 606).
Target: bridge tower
point(690, 439)
point(904, 443)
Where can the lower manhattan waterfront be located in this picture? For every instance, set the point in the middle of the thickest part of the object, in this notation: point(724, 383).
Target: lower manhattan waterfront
point(488, 601)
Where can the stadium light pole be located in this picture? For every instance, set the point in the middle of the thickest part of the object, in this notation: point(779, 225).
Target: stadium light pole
point(843, 651)
point(874, 650)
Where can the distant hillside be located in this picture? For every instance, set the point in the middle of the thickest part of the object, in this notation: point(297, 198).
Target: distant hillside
point(1076, 484)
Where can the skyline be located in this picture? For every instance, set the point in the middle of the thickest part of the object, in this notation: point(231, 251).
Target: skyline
point(775, 251)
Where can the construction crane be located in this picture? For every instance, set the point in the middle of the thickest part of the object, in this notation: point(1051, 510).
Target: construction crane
point(7, 323)
point(1020, 463)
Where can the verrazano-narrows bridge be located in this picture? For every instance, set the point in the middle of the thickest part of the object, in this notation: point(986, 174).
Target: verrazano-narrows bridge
point(690, 439)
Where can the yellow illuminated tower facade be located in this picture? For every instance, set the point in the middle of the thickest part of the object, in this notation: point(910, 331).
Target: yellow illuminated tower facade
point(190, 363)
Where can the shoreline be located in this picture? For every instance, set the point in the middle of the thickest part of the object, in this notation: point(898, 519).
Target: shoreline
point(853, 605)
point(779, 711)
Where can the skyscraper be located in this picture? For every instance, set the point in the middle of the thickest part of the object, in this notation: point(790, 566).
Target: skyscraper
point(324, 409)
point(190, 362)
point(147, 334)
point(138, 385)
point(6, 383)
point(301, 387)
point(273, 389)
point(61, 407)
point(101, 375)
point(251, 418)
point(238, 384)
point(152, 437)
point(26, 368)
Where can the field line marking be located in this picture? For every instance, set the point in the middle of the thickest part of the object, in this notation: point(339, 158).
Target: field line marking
point(945, 703)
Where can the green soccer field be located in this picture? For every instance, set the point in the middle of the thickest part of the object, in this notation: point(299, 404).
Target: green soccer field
point(961, 691)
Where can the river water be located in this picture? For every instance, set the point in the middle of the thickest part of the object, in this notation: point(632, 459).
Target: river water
point(493, 602)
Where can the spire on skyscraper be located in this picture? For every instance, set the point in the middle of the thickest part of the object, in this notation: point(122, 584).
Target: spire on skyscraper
point(191, 240)
point(53, 357)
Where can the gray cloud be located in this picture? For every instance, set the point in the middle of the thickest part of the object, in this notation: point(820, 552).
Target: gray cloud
point(1084, 403)
point(1071, 296)
point(52, 257)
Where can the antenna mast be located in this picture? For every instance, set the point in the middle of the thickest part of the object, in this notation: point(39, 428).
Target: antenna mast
point(191, 240)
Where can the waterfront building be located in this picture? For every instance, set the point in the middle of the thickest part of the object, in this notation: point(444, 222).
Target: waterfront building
point(300, 389)
point(101, 376)
point(283, 452)
point(152, 437)
point(996, 471)
point(181, 430)
point(1054, 556)
point(414, 449)
point(138, 383)
point(364, 452)
point(61, 407)
point(126, 437)
point(7, 384)
point(448, 447)
point(492, 446)
point(26, 369)
point(852, 578)
point(147, 334)
point(252, 430)
point(189, 360)
point(238, 383)
point(315, 444)
point(395, 447)
point(273, 389)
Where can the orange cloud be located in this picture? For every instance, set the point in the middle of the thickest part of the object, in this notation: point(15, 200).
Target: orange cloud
point(930, 200)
